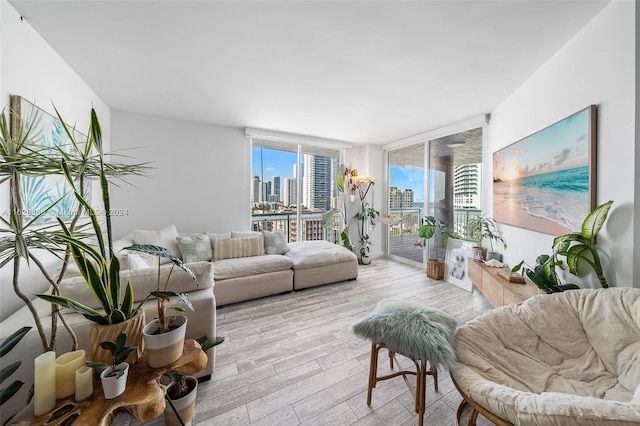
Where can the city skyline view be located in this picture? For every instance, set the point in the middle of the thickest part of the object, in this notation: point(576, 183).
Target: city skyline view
point(269, 163)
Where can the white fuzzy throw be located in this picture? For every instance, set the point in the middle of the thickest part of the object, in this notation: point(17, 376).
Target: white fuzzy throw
point(412, 330)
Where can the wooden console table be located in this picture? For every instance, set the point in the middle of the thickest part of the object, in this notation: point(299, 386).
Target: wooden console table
point(496, 289)
point(143, 398)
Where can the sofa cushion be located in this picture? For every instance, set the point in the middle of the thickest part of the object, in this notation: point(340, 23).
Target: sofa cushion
point(165, 237)
point(311, 254)
point(195, 249)
point(246, 266)
point(231, 248)
point(275, 242)
point(245, 234)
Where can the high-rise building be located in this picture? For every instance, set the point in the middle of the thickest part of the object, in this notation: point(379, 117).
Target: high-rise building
point(318, 182)
point(466, 186)
point(400, 198)
point(275, 189)
point(290, 192)
point(255, 189)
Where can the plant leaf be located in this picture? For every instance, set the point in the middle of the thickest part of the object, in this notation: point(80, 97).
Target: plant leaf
point(9, 370)
point(12, 340)
point(594, 221)
point(8, 392)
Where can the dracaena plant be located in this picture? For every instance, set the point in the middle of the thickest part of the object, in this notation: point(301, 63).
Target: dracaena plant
point(97, 264)
point(163, 294)
point(343, 183)
point(576, 248)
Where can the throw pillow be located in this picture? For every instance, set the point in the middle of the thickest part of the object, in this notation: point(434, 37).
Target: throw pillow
point(275, 242)
point(195, 249)
point(245, 234)
point(138, 262)
point(231, 248)
point(165, 237)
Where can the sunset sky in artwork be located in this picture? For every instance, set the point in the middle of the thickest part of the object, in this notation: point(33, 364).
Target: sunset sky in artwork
point(564, 145)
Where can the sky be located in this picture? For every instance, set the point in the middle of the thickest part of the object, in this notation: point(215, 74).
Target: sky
point(280, 163)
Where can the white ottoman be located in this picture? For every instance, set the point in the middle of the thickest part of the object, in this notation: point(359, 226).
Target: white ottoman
point(321, 262)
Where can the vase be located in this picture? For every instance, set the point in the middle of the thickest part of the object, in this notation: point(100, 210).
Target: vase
point(114, 385)
point(108, 333)
point(164, 348)
point(481, 250)
point(435, 269)
point(185, 405)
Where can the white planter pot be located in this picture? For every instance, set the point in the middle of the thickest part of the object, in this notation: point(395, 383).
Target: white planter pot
point(113, 386)
point(185, 406)
point(164, 348)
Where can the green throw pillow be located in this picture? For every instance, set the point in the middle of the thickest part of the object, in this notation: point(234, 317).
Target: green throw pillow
point(275, 242)
point(195, 249)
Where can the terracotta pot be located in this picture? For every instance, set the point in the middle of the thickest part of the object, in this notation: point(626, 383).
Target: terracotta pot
point(185, 406)
point(435, 269)
point(102, 333)
point(164, 348)
point(113, 386)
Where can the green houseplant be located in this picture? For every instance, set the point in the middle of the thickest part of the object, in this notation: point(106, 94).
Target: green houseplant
point(343, 182)
point(6, 371)
point(182, 389)
point(577, 248)
point(164, 336)
point(483, 227)
point(433, 227)
point(114, 374)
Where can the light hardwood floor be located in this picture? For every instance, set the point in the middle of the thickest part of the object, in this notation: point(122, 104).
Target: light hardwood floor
point(292, 359)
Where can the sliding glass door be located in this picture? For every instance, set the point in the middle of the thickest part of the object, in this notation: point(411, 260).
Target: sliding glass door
point(450, 181)
point(406, 201)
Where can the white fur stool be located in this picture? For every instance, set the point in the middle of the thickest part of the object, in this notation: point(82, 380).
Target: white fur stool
point(419, 333)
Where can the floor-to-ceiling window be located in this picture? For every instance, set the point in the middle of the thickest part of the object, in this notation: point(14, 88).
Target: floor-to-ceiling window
point(292, 185)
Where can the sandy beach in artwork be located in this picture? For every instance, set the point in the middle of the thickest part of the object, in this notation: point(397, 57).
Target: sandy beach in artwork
point(508, 211)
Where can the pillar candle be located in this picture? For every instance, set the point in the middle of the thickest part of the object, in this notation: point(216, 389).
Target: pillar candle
point(66, 366)
point(44, 383)
point(84, 383)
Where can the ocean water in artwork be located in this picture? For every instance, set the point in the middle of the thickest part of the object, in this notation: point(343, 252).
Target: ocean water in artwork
point(561, 196)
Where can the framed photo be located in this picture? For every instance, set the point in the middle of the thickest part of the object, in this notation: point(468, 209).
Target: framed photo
point(546, 182)
point(457, 260)
point(41, 191)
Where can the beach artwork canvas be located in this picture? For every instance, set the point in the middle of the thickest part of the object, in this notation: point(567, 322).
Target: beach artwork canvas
point(546, 182)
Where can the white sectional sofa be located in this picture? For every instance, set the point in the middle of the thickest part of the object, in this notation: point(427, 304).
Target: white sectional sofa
point(248, 265)
point(230, 267)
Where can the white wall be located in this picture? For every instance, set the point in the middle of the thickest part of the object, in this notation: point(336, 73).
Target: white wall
point(597, 67)
point(369, 161)
point(29, 67)
point(200, 181)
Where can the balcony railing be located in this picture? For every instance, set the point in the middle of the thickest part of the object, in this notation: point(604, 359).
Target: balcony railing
point(311, 229)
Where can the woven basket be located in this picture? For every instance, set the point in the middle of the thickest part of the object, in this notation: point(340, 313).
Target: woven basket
point(435, 269)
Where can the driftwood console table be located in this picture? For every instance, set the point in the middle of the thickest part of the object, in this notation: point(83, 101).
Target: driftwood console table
point(496, 289)
point(143, 398)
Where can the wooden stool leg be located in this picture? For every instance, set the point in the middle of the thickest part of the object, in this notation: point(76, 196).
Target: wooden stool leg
point(421, 385)
point(434, 373)
point(391, 355)
point(373, 371)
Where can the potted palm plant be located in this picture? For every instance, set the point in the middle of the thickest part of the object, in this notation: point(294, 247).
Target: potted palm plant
point(114, 375)
point(433, 227)
point(182, 390)
point(164, 336)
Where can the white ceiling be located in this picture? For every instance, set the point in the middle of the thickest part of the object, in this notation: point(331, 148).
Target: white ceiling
point(358, 71)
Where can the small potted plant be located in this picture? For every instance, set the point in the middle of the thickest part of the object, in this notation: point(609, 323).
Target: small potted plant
point(164, 336)
point(182, 390)
point(114, 375)
point(433, 227)
point(481, 227)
